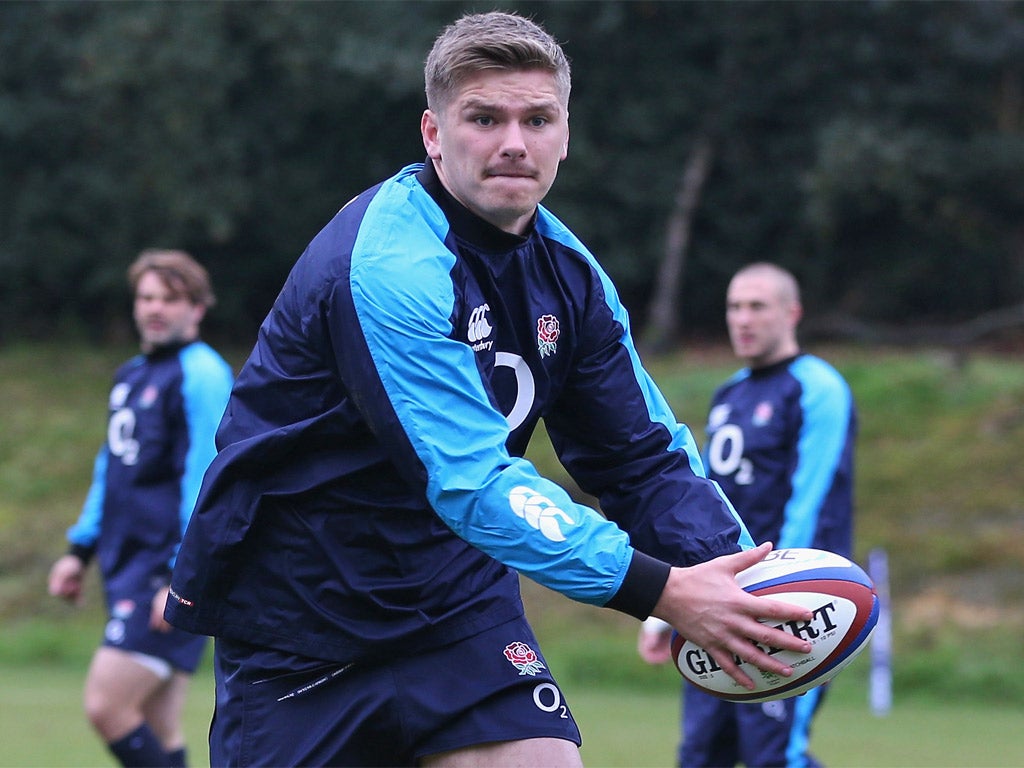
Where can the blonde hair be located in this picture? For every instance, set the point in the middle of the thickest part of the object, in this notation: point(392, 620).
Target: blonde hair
point(495, 40)
point(786, 283)
point(182, 274)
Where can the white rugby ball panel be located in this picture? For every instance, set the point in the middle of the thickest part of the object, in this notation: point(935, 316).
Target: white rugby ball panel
point(786, 565)
point(844, 605)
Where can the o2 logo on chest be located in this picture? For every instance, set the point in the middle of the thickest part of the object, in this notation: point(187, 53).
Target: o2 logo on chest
point(121, 427)
point(725, 454)
point(526, 389)
point(121, 436)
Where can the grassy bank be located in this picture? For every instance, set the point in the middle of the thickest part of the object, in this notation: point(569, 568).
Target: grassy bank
point(938, 487)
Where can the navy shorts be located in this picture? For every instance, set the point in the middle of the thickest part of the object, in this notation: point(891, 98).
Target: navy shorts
point(275, 708)
point(128, 630)
point(772, 733)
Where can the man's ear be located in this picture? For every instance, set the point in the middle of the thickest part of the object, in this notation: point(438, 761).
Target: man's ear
point(796, 313)
point(430, 130)
point(198, 313)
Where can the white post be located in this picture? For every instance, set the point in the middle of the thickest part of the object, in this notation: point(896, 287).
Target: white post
point(880, 682)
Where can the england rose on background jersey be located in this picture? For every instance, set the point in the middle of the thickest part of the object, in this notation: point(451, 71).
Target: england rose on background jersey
point(782, 437)
point(164, 408)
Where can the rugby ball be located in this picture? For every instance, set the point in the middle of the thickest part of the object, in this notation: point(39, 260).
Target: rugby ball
point(845, 607)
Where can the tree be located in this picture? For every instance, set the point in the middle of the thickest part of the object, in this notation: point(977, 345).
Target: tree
point(860, 144)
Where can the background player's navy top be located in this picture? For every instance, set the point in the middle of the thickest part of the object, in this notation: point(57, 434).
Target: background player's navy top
point(369, 478)
point(781, 438)
point(164, 411)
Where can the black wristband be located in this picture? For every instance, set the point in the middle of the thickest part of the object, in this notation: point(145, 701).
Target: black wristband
point(645, 581)
point(82, 552)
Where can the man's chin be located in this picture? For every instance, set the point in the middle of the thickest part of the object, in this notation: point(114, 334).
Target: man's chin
point(515, 191)
point(151, 341)
point(750, 354)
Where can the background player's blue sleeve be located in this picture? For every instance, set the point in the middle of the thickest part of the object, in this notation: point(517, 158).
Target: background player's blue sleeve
point(825, 405)
point(86, 530)
point(206, 386)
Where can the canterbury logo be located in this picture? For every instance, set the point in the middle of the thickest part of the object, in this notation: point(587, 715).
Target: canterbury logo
point(479, 328)
point(539, 511)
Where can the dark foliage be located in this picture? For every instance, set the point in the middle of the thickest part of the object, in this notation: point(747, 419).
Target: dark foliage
point(875, 148)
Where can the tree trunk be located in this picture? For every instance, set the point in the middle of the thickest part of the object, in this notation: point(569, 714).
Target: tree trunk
point(663, 320)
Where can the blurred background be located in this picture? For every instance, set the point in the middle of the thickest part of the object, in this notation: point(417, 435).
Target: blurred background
point(876, 149)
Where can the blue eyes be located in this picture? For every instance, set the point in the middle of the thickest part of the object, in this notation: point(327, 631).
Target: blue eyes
point(486, 121)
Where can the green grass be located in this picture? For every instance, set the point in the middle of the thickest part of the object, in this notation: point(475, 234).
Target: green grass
point(939, 482)
point(42, 725)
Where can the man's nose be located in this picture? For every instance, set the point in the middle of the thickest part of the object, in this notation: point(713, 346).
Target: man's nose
point(513, 144)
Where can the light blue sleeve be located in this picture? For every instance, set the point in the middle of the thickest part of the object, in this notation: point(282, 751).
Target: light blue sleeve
point(403, 297)
point(205, 388)
point(825, 404)
point(86, 529)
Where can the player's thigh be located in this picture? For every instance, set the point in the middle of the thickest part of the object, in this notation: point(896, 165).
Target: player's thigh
point(709, 730)
point(767, 730)
point(163, 708)
point(778, 732)
point(276, 708)
point(116, 689)
point(491, 689)
point(551, 753)
point(116, 679)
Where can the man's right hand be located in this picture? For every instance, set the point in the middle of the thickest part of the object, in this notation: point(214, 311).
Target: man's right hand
point(66, 578)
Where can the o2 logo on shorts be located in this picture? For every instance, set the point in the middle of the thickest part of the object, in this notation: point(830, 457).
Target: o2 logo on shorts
point(114, 631)
point(548, 698)
point(122, 610)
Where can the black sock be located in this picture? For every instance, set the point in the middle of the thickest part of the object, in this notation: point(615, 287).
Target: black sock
point(178, 758)
point(140, 749)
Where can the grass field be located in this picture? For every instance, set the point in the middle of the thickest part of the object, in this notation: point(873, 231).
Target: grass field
point(628, 711)
point(41, 725)
point(939, 486)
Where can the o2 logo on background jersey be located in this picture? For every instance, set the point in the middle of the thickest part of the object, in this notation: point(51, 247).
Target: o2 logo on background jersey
point(121, 436)
point(119, 395)
point(121, 427)
point(725, 455)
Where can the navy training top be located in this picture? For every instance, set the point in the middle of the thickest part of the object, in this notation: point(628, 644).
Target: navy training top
point(780, 442)
point(164, 411)
point(370, 496)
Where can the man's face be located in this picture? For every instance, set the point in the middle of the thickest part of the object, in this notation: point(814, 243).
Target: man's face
point(498, 143)
point(762, 322)
point(164, 316)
